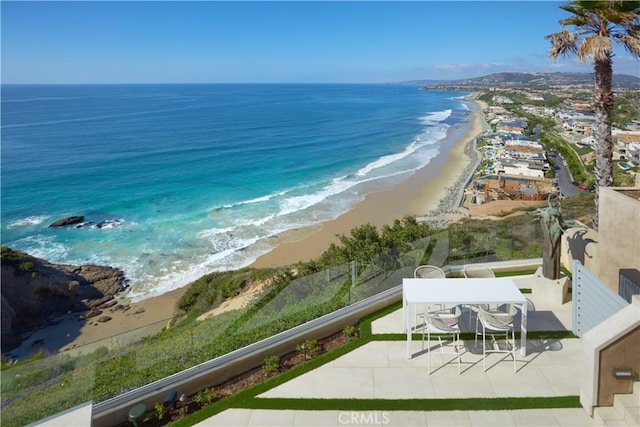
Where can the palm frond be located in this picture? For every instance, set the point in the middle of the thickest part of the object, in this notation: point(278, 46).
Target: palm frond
point(630, 43)
point(596, 47)
point(562, 44)
point(628, 6)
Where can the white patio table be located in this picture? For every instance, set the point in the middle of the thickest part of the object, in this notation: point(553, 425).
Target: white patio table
point(461, 291)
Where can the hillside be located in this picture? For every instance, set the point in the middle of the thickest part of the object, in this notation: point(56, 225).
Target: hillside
point(34, 291)
point(533, 80)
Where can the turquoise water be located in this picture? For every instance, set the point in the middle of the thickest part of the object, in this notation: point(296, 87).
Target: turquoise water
point(198, 178)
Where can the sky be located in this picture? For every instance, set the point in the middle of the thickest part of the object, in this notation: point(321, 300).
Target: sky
point(278, 42)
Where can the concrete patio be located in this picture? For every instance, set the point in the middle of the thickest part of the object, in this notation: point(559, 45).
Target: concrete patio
point(381, 370)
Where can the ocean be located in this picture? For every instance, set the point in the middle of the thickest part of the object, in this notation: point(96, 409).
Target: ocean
point(176, 181)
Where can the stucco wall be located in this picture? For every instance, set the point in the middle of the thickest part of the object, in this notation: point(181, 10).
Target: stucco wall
point(582, 244)
point(619, 232)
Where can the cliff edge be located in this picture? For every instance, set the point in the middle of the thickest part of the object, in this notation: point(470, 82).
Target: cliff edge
point(35, 291)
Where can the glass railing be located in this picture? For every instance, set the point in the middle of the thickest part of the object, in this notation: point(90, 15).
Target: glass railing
point(122, 363)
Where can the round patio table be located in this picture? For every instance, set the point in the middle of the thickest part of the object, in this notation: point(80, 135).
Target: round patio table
point(137, 413)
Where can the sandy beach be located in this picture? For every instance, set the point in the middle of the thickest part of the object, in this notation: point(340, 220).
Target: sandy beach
point(418, 195)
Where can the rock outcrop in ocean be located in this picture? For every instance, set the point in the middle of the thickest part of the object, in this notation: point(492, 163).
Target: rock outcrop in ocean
point(70, 220)
point(35, 291)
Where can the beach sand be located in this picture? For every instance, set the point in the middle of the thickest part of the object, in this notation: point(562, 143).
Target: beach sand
point(417, 195)
point(71, 335)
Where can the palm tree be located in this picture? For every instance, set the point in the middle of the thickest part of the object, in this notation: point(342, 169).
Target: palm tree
point(595, 25)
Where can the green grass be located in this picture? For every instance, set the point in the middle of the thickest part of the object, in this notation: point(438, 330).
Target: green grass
point(467, 404)
point(515, 273)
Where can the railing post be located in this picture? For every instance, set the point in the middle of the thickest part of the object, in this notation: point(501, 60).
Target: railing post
point(353, 273)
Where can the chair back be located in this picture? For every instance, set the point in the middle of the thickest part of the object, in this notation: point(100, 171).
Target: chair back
point(428, 272)
point(478, 271)
point(444, 320)
point(498, 318)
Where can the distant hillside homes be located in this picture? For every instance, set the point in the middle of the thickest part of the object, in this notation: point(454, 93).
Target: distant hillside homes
point(533, 80)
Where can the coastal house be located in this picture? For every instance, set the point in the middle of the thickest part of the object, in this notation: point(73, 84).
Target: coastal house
point(589, 141)
point(510, 128)
point(626, 137)
point(522, 149)
point(510, 187)
point(581, 106)
point(584, 126)
point(497, 109)
point(630, 153)
point(535, 97)
point(499, 99)
point(627, 147)
point(523, 168)
point(538, 110)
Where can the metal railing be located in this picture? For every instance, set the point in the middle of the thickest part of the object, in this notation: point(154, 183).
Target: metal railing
point(593, 301)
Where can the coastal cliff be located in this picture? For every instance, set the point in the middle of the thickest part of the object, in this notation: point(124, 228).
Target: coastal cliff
point(34, 291)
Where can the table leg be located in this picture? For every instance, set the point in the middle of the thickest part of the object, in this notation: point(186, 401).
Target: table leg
point(523, 330)
point(407, 317)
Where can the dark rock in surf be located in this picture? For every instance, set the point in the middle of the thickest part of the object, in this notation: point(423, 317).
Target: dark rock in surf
point(70, 220)
point(109, 223)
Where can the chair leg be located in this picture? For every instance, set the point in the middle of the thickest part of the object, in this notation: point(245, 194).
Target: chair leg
point(457, 347)
point(513, 350)
point(429, 351)
point(484, 350)
point(455, 343)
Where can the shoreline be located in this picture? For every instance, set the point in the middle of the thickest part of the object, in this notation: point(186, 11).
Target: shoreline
point(430, 194)
point(427, 194)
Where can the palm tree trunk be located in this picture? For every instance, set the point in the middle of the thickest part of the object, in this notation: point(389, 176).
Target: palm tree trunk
point(603, 107)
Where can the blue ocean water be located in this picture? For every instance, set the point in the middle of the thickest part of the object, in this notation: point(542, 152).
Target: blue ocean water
point(198, 178)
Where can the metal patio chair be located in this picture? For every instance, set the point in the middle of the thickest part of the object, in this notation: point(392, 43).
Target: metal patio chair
point(496, 323)
point(443, 323)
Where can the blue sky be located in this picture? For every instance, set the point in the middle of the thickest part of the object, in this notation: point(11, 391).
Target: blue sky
point(278, 42)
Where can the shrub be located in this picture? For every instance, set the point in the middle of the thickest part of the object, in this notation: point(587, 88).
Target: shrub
point(310, 349)
point(159, 410)
point(350, 332)
point(271, 364)
point(26, 266)
point(206, 397)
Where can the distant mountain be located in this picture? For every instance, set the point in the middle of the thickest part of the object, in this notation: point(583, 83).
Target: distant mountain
point(533, 80)
point(425, 82)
